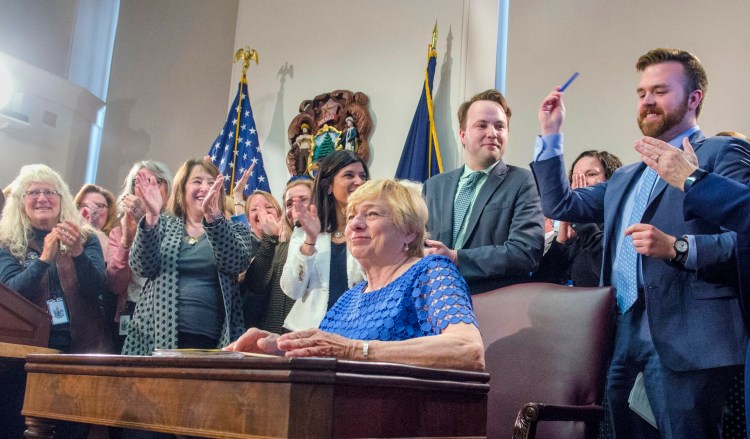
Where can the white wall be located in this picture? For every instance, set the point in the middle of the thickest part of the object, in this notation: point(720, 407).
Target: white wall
point(167, 97)
point(60, 115)
point(39, 32)
point(550, 40)
point(376, 47)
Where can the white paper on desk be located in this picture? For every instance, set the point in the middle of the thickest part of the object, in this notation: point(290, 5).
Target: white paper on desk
point(638, 401)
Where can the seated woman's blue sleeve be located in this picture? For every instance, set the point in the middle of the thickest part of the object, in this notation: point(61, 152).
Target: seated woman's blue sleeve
point(442, 297)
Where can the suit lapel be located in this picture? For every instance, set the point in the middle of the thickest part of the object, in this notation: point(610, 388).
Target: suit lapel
point(494, 179)
point(617, 189)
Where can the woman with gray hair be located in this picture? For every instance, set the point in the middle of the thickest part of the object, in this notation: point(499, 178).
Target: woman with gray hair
point(126, 287)
point(50, 255)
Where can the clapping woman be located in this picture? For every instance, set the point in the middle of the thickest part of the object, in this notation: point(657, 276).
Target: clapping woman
point(51, 255)
point(125, 286)
point(319, 269)
point(191, 257)
point(267, 305)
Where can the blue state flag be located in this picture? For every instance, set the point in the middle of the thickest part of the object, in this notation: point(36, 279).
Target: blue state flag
point(421, 158)
point(238, 147)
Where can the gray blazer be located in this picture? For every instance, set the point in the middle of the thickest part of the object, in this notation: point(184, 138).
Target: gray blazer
point(505, 232)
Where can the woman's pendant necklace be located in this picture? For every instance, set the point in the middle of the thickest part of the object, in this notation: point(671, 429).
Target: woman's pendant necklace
point(190, 239)
point(338, 235)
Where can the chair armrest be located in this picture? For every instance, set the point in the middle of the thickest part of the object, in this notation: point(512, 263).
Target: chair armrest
point(533, 412)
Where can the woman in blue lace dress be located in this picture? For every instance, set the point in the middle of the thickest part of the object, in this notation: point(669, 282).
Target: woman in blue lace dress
point(411, 309)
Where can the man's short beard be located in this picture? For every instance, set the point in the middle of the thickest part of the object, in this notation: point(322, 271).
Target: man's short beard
point(656, 129)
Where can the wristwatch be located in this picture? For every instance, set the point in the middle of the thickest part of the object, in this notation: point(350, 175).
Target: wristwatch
point(681, 248)
point(693, 178)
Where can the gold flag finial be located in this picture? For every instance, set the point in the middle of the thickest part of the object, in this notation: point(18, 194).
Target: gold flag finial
point(433, 46)
point(246, 55)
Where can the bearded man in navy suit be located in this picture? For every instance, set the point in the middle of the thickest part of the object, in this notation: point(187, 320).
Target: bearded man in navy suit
point(680, 319)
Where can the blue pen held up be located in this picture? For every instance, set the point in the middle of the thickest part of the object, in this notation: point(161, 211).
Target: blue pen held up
point(568, 82)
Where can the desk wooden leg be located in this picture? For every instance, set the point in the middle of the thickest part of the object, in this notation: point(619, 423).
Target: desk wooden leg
point(39, 428)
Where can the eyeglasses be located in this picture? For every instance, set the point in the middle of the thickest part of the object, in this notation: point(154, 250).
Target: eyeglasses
point(159, 180)
point(99, 206)
point(48, 193)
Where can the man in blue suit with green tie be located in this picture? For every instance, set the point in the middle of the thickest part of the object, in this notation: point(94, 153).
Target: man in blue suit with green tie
point(680, 319)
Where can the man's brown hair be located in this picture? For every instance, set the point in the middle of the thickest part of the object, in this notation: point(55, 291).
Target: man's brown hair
point(487, 95)
point(696, 76)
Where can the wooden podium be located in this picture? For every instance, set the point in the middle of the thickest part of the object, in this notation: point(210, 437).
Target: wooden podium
point(243, 397)
point(22, 322)
point(24, 329)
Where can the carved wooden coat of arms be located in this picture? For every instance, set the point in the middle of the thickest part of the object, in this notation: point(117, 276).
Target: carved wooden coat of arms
point(336, 120)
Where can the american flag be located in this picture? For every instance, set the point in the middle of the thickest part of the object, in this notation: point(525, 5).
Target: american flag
point(238, 147)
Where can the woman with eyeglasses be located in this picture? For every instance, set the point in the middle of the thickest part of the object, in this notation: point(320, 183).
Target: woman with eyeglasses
point(125, 286)
point(191, 257)
point(50, 255)
point(264, 303)
point(97, 206)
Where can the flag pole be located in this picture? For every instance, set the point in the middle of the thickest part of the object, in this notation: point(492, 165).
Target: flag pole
point(432, 52)
point(246, 55)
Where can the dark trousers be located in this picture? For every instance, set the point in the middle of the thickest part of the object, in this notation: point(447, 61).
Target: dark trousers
point(685, 404)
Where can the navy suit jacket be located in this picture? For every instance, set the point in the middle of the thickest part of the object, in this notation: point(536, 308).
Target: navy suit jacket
point(725, 202)
point(505, 229)
point(695, 317)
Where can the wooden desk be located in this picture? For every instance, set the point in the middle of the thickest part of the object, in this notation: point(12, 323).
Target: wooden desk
point(254, 397)
point(12, 386)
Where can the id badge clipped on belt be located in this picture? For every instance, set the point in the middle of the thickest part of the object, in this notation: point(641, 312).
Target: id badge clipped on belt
point(58, 311)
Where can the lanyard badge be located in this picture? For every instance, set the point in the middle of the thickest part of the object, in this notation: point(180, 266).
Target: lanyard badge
point(58, 311)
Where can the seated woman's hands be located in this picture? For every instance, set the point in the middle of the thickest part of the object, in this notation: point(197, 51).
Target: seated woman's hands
point(256, 341)
point(309, 343)
point(317, 343)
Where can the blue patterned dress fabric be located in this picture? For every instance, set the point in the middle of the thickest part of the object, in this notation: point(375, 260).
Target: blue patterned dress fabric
point(423, 301)
point(627, 260)
point(463, 200)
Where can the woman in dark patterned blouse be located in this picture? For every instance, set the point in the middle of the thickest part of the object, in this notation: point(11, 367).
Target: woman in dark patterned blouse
point(411, 309)
point(191, 257)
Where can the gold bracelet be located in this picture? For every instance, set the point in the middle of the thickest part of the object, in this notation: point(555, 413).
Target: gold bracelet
point(239, 203)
